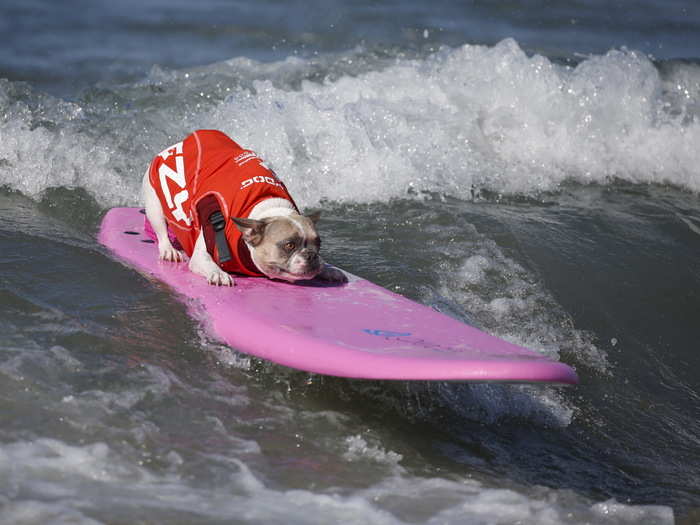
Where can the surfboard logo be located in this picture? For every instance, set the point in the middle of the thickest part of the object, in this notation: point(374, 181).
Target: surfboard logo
point(386, 333)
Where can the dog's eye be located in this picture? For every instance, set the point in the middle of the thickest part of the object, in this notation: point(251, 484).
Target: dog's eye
point(289, 246)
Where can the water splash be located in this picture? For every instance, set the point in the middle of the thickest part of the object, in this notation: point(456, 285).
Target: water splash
point(458, 122)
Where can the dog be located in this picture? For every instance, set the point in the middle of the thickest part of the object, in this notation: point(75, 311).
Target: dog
point(229, 213)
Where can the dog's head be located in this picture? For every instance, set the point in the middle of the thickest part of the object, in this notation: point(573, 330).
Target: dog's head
point(285, 247)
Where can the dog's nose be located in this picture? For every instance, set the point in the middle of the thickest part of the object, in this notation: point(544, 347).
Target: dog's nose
point(310, 255)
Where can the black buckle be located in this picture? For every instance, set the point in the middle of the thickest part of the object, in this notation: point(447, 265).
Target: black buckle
point(216, 219)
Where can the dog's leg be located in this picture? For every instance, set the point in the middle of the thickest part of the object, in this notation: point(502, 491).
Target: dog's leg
point(331, 274)
point(202, 264)
point(154, 212)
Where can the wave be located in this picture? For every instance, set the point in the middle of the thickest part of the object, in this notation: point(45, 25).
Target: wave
point(363, 126)
point(91, 471)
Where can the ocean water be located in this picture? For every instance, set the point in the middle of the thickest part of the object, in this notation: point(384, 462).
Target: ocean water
point(531, 167)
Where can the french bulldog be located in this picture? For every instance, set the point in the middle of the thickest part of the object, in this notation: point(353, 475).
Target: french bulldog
point(282, 243)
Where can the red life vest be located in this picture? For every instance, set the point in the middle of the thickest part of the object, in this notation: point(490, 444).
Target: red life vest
point(208, 171)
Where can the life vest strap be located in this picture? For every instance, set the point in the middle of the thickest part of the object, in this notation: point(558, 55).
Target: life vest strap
point(213, 226)
point(219, 223)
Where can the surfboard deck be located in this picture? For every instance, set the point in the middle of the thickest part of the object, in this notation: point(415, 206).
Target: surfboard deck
point(354, 330)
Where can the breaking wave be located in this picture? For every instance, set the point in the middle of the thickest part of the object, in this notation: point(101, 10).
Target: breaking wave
point(360, 127)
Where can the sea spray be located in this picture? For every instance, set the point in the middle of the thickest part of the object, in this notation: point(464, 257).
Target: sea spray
point(459, 122)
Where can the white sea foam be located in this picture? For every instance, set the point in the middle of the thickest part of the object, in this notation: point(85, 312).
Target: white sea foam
point(473, 117)
point(455, 122)
point(358, 449)
point(51, 480)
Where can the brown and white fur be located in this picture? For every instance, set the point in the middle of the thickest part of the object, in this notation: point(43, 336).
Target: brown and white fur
point(283, 244)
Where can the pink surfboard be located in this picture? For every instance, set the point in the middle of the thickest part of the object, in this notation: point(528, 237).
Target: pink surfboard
point(356, 330)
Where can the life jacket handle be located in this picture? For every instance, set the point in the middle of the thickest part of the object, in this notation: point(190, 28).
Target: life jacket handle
point(219, 223)
point(213, 226)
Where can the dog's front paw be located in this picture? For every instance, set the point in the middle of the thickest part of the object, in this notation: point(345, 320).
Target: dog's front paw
point(332, 275)
point(219, 278)
point(168, 253)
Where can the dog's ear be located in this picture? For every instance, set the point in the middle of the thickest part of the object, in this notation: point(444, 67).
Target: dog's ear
point(315, 216)
point(252, 230)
